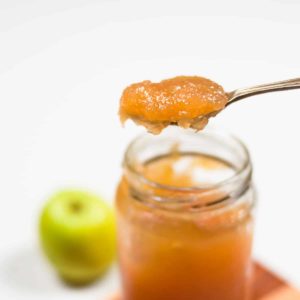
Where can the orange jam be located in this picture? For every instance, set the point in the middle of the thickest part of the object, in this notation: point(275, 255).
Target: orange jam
point(180, 239)
point(187, 101)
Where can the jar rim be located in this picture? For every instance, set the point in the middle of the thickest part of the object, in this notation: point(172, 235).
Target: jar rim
point(246, 166)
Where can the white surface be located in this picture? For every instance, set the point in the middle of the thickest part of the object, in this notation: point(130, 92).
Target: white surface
point(63, 65)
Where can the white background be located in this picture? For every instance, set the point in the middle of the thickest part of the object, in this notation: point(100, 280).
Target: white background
point(63, 65)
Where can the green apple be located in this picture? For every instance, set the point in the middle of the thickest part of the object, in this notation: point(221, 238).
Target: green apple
point(77, 233)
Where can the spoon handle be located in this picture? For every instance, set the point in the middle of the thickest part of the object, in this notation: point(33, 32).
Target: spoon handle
point(264, 88)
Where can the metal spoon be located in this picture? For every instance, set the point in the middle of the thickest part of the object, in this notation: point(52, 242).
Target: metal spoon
point(200, 122)
point(263, 88)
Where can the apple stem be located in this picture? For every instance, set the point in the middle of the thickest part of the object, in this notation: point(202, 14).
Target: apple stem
point(75, 206)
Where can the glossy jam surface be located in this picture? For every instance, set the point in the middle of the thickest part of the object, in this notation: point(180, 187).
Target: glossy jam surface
point(184, 254)
point(185, 100)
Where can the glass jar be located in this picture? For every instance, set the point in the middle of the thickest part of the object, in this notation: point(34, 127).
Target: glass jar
point(181, 238)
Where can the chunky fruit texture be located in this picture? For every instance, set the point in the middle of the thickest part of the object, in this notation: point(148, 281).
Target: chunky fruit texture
point(187, 101)
point(183, 255)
